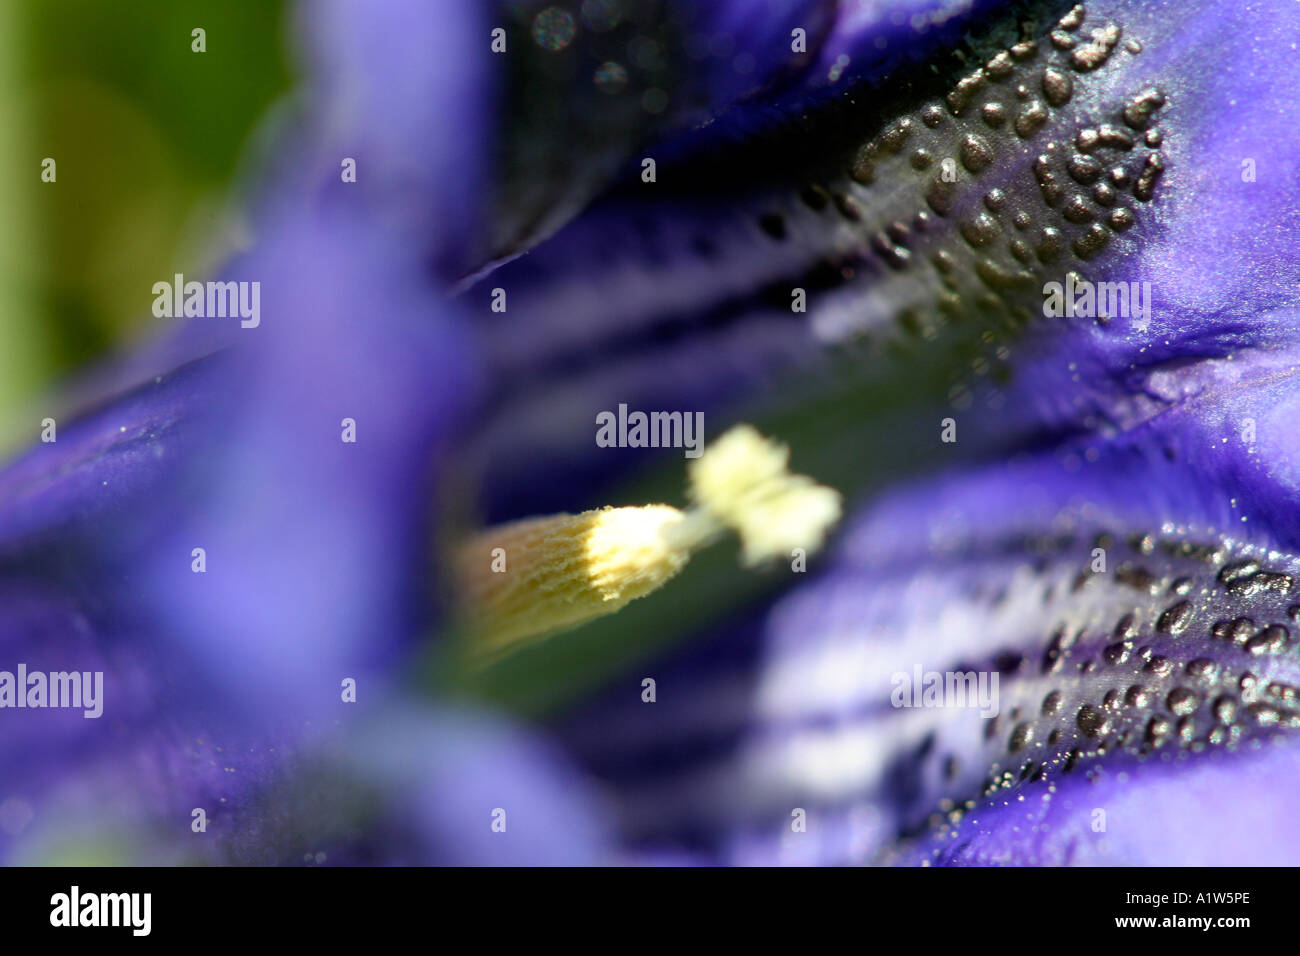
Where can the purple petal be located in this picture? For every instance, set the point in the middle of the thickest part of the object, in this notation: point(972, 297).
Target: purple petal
point(471, 789)
point(402, 88)
point(678, 293)
point(318, 556)
point(1175, 656)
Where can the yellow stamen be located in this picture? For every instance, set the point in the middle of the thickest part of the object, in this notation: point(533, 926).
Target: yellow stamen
point(541, 575)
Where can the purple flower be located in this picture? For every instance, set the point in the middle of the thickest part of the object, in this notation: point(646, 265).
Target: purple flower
point(846, 222)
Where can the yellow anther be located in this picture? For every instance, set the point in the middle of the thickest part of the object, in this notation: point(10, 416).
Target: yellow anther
point(743, 483)
point(540, 575)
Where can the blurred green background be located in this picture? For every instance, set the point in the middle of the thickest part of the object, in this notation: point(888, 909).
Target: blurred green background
point(147, 136)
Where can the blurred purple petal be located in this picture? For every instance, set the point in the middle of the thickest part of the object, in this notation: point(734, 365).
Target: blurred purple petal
point(472, 790)
point(318, 548)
